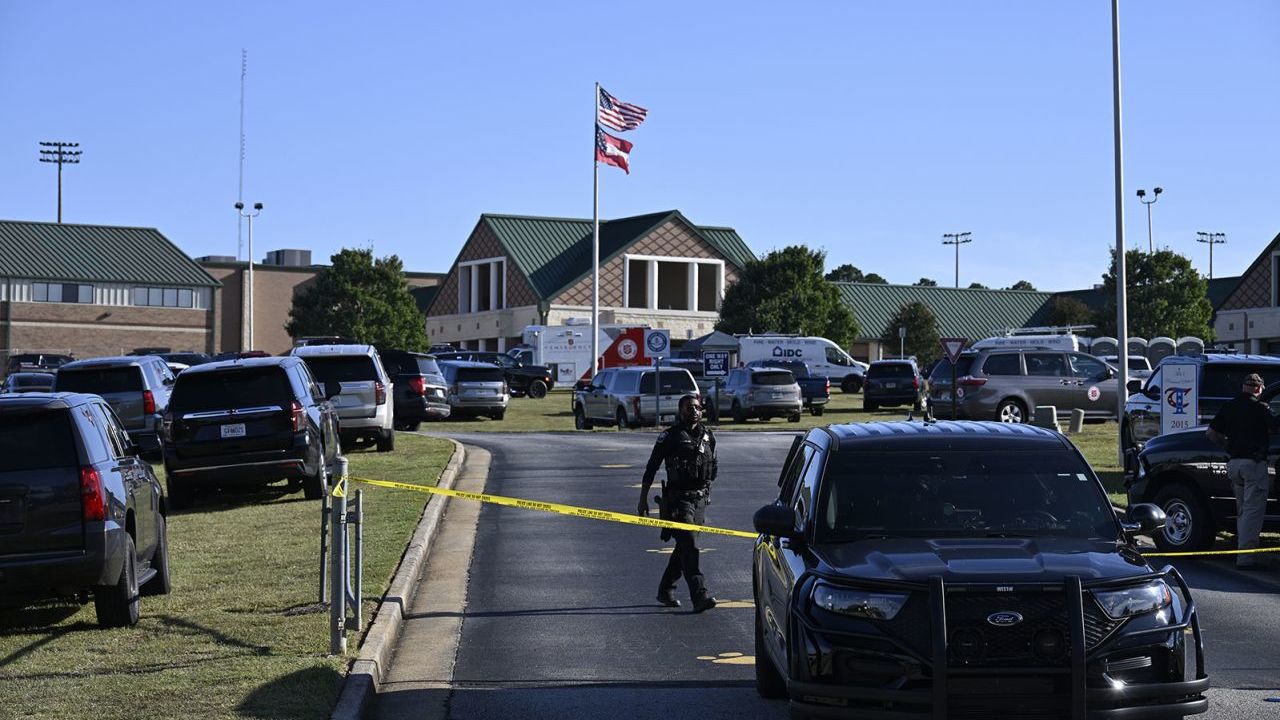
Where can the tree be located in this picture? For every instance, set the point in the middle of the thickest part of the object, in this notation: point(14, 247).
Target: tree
point(874, 278)
point(978, 286)
point(927, 282)
point(1069, 311)
point(785, 292)
point(1166, 296)
point(846, 273)
point(360, 298)
point(922, 333)
point(1021, 285)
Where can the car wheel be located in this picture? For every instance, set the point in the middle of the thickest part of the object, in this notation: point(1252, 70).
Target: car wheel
point(313, 486)
point(794, 418)
point(1011, 411)
point(850, 384)
point(817, 410)
point(537, 390)
point(739, 415)
point(622, 418)
point(769, 682)
point(498, 415)
point(387, 441)
point(1188, 526)
point(580, 420)
point(410, 426)
point(117, 605)
point(181, 495)
point(160, 583)
point(870, 405)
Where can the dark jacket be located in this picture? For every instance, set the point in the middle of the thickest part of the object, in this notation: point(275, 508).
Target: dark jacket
point(1246, 422)
point(690, 456)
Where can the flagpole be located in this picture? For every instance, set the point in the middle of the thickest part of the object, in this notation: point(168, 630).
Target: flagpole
point(595, 237)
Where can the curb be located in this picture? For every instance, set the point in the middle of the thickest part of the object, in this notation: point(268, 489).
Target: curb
point(365, 675)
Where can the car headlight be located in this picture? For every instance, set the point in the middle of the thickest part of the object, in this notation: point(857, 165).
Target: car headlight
point(1127, 602)
point(858, 603)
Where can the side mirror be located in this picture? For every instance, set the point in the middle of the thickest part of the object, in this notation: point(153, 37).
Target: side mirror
point(1144, 518)
point(776, 520)
point(1134, 386)
point(332, 390)
point(1106, 374)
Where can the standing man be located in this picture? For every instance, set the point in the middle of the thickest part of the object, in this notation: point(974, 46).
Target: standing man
point(689, 449)
point(1243, 426)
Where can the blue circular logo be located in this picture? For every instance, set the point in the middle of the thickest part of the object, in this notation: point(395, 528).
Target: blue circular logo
point(657, 342)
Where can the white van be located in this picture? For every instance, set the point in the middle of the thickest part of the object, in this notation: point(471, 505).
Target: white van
point(823, 357)
point(1067, 343)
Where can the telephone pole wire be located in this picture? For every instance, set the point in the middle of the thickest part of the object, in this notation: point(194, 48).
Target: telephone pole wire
point(62, 153)
point(957, 239)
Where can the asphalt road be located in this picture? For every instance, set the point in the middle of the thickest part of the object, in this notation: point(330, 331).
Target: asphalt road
point(560, 621)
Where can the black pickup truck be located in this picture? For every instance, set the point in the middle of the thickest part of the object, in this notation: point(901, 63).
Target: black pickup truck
point(815, 390)
point(80, 514)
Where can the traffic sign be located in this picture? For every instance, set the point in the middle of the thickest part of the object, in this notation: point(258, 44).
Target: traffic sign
point(952, 347)
point(715, 363)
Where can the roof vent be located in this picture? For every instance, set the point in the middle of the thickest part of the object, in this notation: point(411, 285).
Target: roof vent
point(288, 258)
point(216, 259)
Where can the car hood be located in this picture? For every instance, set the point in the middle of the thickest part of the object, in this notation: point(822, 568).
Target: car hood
point(980, 560)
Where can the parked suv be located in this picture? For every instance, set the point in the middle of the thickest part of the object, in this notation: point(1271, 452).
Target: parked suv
point(36, 362)
point(894, 382)
point(964, 569)
point(249, 422)
point(475, 389)
point(815, 390)
point(759, 392)
point(1220, 379)
point(629, 397)
point(420, 392)
point(136, 386)
point(1007, 384)
point(25, 382)
point(531, 380)
point(364, 411)
point(79, 512)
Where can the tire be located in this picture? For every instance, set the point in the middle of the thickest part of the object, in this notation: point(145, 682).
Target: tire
point(870, 405)
point(817, 410)
point(181, 495)
point(537, 390)
point(160, 584)
point(580, 420)
point(739, 415)
point(117, 605)
point(850, 384)
point(412, 426)
point(313, 486)
point(387, 441)
point(1011, 411)
point(769, 682)
point(498, 415)
point(794, 418)
point(622, 419)
point(1189, 526)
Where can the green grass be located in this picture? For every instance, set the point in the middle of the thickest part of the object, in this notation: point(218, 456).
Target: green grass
point(241, 635)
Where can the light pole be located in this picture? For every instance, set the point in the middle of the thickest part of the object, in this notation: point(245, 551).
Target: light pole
point(63, 153)
point(248, 312)
point(1211, 239)
point(1155, 195)
point(957, 239)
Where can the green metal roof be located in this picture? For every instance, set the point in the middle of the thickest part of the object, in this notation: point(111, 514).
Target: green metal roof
point(962, 312)
point(555, 253)
point(424, 296)
point(95, 253)
point(1221, 288)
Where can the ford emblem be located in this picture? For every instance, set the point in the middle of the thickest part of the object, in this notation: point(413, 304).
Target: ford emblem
point(1004, 619)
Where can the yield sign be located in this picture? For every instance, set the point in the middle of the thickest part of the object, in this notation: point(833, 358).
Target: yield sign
point(952, 347)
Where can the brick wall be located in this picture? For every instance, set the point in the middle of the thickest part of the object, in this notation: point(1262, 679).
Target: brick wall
point(1254, 290)
point(483, 244)
point(95, 330)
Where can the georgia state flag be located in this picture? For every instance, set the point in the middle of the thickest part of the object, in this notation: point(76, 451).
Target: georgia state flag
point(612, 151)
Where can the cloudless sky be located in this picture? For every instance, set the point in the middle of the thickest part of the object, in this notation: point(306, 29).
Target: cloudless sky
point(867, 129)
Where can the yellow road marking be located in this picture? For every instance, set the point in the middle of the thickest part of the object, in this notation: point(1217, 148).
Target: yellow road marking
point(669, 550)
point(616, 466)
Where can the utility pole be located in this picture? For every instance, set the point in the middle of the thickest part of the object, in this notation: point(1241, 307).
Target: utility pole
point(244, 70)
point(1155, 195)
point(1122, 297)
point(957, 239)
point(63, 153)
point(247, 311)
point(1211, 239)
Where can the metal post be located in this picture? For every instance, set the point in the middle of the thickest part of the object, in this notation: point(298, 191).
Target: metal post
point(595, 236)
point(324, 548)
point(1122, 311)
point(250, 303)
point(715, 406)
point(358, 582)
point(338, 563)
point(657, 392)
point(954, 388)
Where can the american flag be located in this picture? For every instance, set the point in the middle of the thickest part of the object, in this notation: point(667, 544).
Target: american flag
point(618, 115)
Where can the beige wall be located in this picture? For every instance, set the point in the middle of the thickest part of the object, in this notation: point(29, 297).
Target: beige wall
point(97, 330)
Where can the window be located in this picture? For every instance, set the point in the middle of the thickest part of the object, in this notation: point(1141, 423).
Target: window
point(792, 475)
point(37, 440)
point(163, 297)
point(1005, 364)
point(669, 283)
point(774, 377)
point(673, 286)
point(708, 287)
point(61, 292)
point(482, 285)
point(673, 381)
point(232, 388)
point(637, 283)
point(1083, 366)
point(100, 381)
point(836, 357)
point(342, 368)
point(804, 493)
point(1046, 365)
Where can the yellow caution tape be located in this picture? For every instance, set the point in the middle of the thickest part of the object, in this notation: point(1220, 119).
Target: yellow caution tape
point(339, 490)
point(1200, 553)
point(559, 509)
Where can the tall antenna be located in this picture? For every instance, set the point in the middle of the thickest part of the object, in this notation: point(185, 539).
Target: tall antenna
point(244, 70)
point(62, 153)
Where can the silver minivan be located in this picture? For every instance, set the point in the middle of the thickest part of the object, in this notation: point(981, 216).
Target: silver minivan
point(1007, 384)
point(475, 389)
point(137, 387)
point(632, 397)
point(759, 392)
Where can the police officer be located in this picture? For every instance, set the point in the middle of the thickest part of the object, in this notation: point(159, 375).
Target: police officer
point(1242, 425)
point(689, 450)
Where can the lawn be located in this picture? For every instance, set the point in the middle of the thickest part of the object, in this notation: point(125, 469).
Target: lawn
point(242, 635)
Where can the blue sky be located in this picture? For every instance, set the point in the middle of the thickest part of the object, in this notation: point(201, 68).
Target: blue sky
point(866, 129)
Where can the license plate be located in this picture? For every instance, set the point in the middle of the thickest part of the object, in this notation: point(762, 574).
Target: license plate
point(778, 396)
point(890, 386)
point(667, 419)
point(234, 430)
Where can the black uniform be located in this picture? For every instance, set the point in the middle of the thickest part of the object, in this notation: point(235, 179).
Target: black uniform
point(690, 456)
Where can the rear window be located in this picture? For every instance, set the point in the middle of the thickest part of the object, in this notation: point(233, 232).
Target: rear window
point(890, 370)
point(1225, 380)
point(227, 389)
point(36, 440)
point(672, 382)
point(32, 381)
point(1005, 364)
point(942, 370)
point(480, 375)
point(773, 377)
point(100, 381)
point(427, 366)
point(342, 368)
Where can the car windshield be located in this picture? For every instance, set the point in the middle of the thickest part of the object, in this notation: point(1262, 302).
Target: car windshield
point(36, 440)
point(100, 380)
point(672, 382)
point(233, 388)
point(962, 494)
point(342, 368)
point(773, 377)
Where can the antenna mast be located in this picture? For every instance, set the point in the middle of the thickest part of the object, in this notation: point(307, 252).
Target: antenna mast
point(244, 70)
